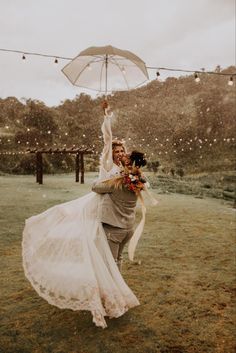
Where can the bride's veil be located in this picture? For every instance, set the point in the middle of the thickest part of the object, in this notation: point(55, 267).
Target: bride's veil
point(146, 198)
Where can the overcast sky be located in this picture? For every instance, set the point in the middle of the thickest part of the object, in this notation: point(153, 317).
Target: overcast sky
point(187, 34)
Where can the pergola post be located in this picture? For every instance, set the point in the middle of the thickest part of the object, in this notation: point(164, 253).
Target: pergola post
point(82, 167)
point(79, 161)
point(77, 167)
point(39, 167)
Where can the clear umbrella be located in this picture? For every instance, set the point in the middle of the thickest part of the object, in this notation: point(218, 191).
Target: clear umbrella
point(106, 69)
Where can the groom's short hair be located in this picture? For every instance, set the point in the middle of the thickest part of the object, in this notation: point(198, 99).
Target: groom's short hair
point(138, 158)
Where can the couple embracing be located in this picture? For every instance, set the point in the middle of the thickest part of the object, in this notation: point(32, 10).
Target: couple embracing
point(72, 252)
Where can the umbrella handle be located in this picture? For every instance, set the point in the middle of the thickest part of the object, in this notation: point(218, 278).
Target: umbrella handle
point(106, 66)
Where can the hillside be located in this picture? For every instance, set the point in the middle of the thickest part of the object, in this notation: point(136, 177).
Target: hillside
point(178, 123)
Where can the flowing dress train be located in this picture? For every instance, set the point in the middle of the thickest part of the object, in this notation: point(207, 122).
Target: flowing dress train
point(66, 256)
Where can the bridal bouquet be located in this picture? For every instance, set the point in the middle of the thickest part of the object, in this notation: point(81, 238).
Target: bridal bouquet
point(133, 179)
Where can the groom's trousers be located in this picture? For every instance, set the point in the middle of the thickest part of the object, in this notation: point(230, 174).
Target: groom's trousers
point(117, 238)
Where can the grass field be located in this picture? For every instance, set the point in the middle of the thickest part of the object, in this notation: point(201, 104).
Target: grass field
point(185, 282)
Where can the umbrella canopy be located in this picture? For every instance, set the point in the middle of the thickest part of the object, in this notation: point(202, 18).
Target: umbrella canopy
point(106, 69)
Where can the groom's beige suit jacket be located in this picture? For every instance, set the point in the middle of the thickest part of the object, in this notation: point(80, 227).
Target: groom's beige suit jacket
point(117, 206)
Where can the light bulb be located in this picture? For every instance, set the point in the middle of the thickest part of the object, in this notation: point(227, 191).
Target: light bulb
point(89, 67)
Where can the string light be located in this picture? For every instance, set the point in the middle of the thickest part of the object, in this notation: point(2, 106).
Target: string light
point(158, 69)
point(226, 140)
point(190, 71)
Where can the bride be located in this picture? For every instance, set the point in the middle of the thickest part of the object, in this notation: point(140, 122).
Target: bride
point(66, 256)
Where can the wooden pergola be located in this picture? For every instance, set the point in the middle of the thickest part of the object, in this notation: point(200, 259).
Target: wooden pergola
point(79, 161)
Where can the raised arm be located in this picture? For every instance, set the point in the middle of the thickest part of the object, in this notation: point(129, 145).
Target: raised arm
point(106, 162)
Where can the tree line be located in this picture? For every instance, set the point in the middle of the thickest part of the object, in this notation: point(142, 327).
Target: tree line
point(178, 123)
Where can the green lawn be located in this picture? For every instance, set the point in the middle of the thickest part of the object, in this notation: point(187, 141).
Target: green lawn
point(185, 281)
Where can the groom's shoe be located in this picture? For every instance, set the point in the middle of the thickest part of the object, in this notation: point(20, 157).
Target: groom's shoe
point(119, 262)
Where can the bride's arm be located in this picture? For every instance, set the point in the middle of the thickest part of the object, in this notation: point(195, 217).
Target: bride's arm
point(106, 162)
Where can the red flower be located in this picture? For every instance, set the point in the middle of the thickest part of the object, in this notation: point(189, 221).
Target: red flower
point(132, 187)
point(133, 183)
point(127, 180)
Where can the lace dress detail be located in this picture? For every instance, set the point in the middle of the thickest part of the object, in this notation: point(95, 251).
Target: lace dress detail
point(68, 261)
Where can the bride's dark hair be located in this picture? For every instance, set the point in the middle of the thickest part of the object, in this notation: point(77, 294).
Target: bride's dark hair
point(137, 158)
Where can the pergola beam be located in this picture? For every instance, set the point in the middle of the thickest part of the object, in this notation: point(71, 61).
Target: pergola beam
point(79, 161)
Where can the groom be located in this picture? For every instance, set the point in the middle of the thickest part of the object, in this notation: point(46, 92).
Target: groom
point(117, 212)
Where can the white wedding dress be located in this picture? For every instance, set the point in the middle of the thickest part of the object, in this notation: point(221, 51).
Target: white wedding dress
point(66, 256)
